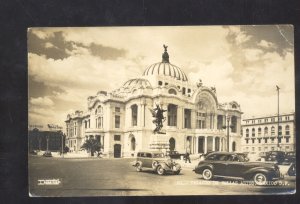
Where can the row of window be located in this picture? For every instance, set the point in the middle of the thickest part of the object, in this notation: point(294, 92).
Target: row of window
point(173, 91)
point(266, 131)
point(253, 149)
point(266, 120)
point(287, 140)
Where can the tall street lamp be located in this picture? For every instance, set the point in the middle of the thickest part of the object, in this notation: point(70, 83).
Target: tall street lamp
point(278, 147)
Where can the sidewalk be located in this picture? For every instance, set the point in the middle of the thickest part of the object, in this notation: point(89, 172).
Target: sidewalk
point(188, 165)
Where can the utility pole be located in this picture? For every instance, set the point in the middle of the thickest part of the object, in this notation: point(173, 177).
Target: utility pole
point(278, 147)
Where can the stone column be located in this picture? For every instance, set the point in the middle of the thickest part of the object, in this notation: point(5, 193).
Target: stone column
point(205, 144)
point(142, 122)
point(180, 117)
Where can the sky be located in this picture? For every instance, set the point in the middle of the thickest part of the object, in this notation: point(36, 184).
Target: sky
point(244, 63)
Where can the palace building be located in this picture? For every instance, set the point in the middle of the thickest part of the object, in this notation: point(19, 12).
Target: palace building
point(263, 134)
point(122, 122)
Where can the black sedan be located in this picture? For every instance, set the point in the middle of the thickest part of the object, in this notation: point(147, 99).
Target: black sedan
point(225, 164)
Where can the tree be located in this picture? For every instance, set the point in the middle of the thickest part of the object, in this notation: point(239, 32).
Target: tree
point(92, 145)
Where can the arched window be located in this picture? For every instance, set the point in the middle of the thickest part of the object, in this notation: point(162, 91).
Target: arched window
point(132, 144)
point(287, 130)
point(272, 131)
point(247, 132)
point(172, 91)
point(259, 132)
point(134, 114)
point(280, 130)
point(233, 123)
point(233, 106)
point(99, 110)
point(172, 115)
point(266, 131)
point(253, 132)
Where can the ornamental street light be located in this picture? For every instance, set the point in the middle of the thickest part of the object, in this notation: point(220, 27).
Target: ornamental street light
point(277, 88)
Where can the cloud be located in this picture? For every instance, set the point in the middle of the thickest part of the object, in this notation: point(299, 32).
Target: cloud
point(266, 44)
point(41, 101)
point(239, 36)
point(252, 54)
point(215, 74)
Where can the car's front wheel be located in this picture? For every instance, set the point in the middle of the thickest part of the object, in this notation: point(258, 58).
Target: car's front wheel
point(260, 179)
point(177, 172)
point(160, 170)
point(207, 174)
point(138, 167)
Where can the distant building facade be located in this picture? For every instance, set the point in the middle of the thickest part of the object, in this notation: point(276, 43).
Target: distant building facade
point(39, 134)
point(260, 134)
point(122, 122)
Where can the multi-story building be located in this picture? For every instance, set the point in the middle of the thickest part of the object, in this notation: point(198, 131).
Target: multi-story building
point(122, 122)
point(42, 137)
point(262, 134)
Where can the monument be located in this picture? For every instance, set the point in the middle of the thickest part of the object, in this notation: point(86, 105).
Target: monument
point(159, 140)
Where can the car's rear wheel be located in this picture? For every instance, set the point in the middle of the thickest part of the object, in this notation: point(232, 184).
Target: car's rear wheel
point(138, 167)
point(260, 179)
point(207, 174)
point(160, 170)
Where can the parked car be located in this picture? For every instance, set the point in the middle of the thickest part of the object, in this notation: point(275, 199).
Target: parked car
point(253, 156)
point(174, 154)
point(262, 156)
point(275, 156)
point(290, 157)
point(156, 161)
point(204, 155)
point(227, 164)
point(47, 154)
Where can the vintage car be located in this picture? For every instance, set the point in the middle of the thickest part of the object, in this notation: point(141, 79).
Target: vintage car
point(275, 156)
point(290, 157)
point(236, 165)
point(156, 161)
point(174, 154)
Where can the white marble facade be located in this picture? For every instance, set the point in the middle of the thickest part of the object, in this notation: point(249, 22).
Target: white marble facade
point(121, 120)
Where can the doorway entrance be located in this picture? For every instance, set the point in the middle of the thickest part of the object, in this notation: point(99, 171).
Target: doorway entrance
point(117, 151)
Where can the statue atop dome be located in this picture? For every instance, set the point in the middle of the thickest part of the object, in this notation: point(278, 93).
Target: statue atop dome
point(165, 55)
point(166, 47)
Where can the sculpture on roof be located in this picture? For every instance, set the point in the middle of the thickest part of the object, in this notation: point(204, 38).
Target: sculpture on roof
point(157, 113)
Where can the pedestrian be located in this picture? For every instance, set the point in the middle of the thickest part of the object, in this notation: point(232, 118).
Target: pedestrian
point(187, 157)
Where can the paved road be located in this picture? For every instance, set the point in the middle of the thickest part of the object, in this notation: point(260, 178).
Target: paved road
point(116, 177)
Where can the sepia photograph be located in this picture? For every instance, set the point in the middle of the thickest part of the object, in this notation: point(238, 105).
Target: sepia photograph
point(161, 111)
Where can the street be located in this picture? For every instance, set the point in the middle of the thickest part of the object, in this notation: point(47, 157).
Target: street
point(116, 177)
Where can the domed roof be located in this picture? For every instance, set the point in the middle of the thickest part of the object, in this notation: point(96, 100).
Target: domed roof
point(165, 68)
point(136, 83)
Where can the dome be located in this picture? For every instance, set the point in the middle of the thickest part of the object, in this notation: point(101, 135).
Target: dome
point(136, 83)
point(165, 68)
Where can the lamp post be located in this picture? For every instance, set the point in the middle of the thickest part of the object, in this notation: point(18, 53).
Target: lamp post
point(62, 144)
point(277, 88)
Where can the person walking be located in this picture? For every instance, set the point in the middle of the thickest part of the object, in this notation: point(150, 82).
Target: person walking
point(187, 157)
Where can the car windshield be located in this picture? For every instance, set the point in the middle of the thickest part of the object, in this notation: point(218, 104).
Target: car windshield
point(158, 155)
